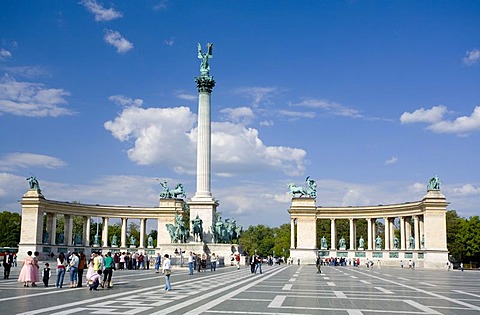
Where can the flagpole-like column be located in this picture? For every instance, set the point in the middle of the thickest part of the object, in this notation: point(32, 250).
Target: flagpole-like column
point(203, 204)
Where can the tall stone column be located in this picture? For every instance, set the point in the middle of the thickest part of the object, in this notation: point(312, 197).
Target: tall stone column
point(402, 233)
point(49, 227)
point(203, 204)
point(387, 233)
point(416, 233)
point(68, 229)
point(369, 232)
point(352, 234)
point(86, 230)
point(422, 231)
point(53, 227)
point(391, 228)
point(105, 232)
point(123, 237)
point(142, 232)
point(292, 233)
point(333, 235)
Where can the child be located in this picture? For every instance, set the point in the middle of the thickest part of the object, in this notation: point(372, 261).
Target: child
point(46, 274)
point(94, 280)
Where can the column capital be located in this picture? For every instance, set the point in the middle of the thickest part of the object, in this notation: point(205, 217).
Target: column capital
point(205, 84)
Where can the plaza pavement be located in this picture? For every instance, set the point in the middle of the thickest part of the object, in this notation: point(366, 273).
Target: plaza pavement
point(279, 290)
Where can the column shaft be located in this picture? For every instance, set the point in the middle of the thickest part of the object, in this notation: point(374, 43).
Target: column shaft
point(105, 231)
point(123, 237)
point(292, 233)
point(369, 232)
point(86, 224)
point(142, 232)
point(352, 234)
point(333, 235)
point(387, 233)
point(402, 233)
point(416, 232)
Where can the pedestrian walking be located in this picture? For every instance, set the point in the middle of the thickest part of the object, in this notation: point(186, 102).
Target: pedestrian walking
point(27, 273)
point(167, 271)
point(7, 264)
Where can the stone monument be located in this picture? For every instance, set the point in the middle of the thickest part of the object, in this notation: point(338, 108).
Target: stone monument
point(202, 203)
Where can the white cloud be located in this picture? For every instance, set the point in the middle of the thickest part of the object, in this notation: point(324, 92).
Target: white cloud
point(330, 107)
point(4, 54)
point(465, 190)
point(295, 114)
point(423, 115)
point(187, 97)
point(28, 71)
point(101, 13)
point(258, 95)
point(161, 5)
point(239, 114)
point(355, 197)
point(167, 136)
point(392, 160)
point(25, 160)
point(31, 99)
point(461, 125)
point(266, 123)
point(126, 101)
point(472, 57)
point(115, 39)
point(169, 42)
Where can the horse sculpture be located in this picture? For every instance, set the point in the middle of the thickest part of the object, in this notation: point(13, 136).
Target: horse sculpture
point(172, 232)
point(178, 191)
point(310, 189)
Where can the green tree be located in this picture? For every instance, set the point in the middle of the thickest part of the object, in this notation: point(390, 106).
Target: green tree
point(259, 238)
point(154, 235)
point(468, 238)
point(114, 229)
point(281, 240)
point(10, 231)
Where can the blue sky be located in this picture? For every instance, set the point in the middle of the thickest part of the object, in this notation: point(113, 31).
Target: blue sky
point(369, 98)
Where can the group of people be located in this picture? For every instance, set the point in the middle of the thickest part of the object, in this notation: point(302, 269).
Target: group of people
point(132, 261)
point(199, 262)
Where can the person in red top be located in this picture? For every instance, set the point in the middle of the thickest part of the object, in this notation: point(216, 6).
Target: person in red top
point(237, 260)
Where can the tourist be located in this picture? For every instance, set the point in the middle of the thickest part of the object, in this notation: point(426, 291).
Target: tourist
point(147, 261)
point(191, 261)
point(199, 263)
point(158, 260)
point(401, 264)
point(90, 270)
point(122, 261)
point(140, 261)
point(96, 262)
point(134, 260)
point(318, 264)
point(28, 271)
point(36, 278)
point(108, 271)
point(237, 260)
point(7, 264)
point(213, 262)
point(46, 274)
point(116, 260)
point(74, 260)
point(204, 262)
point(82, 262)
point(461, 266)
point(61, 264)
point(167, 271)
point(258, 264)
point(94, 280)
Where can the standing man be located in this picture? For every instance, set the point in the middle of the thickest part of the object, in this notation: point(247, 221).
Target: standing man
point(191, 259)
point(167, 271)
point(7, 264)
point(318, 263)
point(107, 272)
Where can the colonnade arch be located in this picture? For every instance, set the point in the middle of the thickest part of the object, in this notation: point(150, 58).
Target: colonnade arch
point(408, 231)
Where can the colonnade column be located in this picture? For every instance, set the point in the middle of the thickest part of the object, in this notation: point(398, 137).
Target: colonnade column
point(369, 233)
point(416, 232)
point(53, 227)
point(142, 233)
point(387, 233)
point(333, 234)
point(352, 234)
point(105, 231)
point(391, 228)
point(123, 238)
point(422, 232)
point(49, 228)
point(292, 233)
point(402, 233)
point(86, 231)
point(67, 229)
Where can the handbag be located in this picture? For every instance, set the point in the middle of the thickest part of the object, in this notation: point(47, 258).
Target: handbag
point(168, 272)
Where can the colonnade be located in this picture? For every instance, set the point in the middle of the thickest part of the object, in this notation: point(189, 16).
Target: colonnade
point(421, 228)
point(71, 239)
point(36, 209)
point(390, 242)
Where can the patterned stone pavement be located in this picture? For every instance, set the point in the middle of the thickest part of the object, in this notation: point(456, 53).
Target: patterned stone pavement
point(279, 290)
